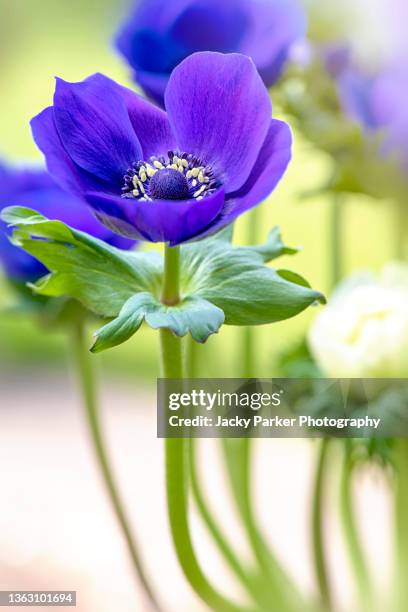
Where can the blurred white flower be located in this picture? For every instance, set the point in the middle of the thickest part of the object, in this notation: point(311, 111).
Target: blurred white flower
point(363, 332)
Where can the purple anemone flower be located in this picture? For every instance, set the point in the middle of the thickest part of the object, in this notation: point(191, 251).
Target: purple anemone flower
point(175, 176)
point(159, 34)
point(34, 188)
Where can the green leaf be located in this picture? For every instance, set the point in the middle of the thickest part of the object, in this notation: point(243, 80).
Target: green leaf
point(219, 282)
point(292, 277)
point(260, 296)
point(236, 280)
point(20, 215)
point(193, 315)
point(100, 276)
point(273, 247)
point(126, 323)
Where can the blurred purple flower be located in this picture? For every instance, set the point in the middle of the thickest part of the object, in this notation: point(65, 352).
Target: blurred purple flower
point(390, 107)
point(377, 100)
point(175, 176)
point(159, 34)
point(356, 91)
point(35, 189)
point(380, 102)
point(336, 58)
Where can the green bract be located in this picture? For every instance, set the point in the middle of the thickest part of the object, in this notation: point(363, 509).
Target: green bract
point(219, 282)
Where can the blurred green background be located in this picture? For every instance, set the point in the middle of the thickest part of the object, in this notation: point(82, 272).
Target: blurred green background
point(43, 38)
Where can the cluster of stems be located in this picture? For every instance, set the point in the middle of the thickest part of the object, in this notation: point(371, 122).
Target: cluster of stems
point(266, 584)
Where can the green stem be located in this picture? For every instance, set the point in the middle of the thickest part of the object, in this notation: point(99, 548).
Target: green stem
point(401, 453)
point(401, 513)
point(401, 229)
point(335, 236)
point(283, 594)
point(350, 531)
point(238, 461)
point(248, 353)
point(317, 524)
point(224, 547)
point(171, 280)
point(247, 367)
point(193, 358)
point(177, 459)
point(85, 377)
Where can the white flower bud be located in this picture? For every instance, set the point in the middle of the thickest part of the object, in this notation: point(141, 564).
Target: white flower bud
point(363, 332)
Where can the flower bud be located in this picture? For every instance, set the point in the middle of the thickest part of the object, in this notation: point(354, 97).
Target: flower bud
point(363, 332)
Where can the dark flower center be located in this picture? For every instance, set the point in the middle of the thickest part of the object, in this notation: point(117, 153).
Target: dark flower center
point(169, 184)
point(172, 177)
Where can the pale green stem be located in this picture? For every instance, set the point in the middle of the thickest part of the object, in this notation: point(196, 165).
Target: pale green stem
point(226, 550)
point(283, 593)
point(401, 229)
point(193, 358)
point(352, 539)
point(84, 372)
point(318, 499)
point(177, 458)
point(247, 361)
point(401, 452)
point(335, 236)
point(401, 522)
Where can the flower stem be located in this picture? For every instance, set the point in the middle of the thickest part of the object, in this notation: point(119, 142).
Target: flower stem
point(401, 510)
point(350, 531)
point(84, 372)
point(171, 279)
point(283, 594)
point(248, 352)
point(335, 236)
point(401, 229)
point(177, 459)
point(247, 365)
point(224, 547)
point(317, 524)
point(193, 358)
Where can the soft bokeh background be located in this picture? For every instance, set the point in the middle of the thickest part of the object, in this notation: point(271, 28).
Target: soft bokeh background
point(56, 527)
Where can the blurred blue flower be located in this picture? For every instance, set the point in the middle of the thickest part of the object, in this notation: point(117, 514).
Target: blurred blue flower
point(159, 34)
point(378, 100)
point(175, 176)
point(356, 91)
point(336, 57)
point(390, 107)
point(35, 189)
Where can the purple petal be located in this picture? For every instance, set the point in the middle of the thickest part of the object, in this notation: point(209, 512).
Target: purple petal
point(59, 164)
point(54, 203)
point(17, 264)
point(153, 84)
point(94, 126)
point(220, 111)
point(274, 26)
point(159, 220)
point(150, 124)
point(15, 180)
point(143, 38)
point(269, 168)
point(210, 25)
point(273, 159)
point(34, 188)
